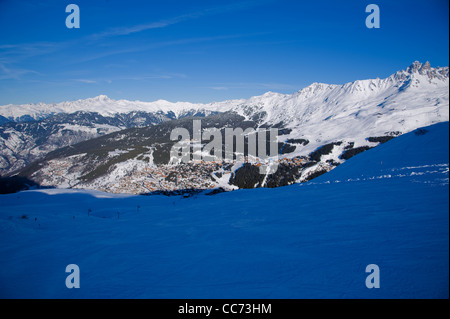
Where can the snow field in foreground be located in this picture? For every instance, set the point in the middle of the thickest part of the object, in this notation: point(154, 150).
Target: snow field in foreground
point(312, 240)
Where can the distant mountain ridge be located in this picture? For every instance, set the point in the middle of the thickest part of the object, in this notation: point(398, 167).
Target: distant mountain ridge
point(417, 75)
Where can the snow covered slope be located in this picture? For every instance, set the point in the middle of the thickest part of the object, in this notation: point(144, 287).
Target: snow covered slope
point(424, 151)
point(312, 240)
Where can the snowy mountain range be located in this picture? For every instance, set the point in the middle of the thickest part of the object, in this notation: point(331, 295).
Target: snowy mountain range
point(323, 123)
point(361, 94)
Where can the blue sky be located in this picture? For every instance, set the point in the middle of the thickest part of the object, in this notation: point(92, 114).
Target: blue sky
point(203, 51)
